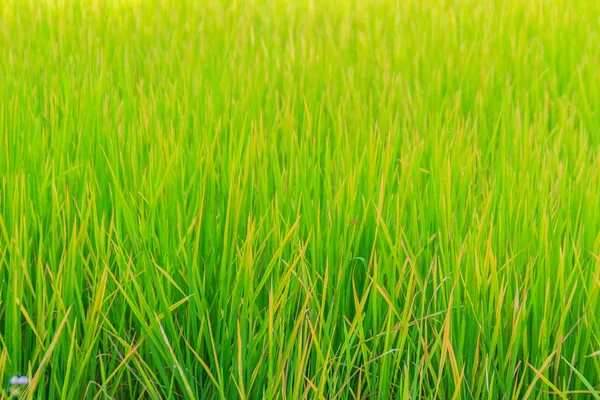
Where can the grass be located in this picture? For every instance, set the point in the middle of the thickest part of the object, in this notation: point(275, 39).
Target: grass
point(300, 199)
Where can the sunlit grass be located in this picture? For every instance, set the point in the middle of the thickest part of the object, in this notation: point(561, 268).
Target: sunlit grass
point(277, 199)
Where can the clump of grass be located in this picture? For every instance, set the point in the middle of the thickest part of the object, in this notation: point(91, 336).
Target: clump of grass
point(300, 199)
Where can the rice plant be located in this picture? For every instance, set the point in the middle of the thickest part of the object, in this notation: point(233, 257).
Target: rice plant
point(300, 199)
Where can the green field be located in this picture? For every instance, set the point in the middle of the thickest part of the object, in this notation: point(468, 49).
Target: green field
point(300, 199)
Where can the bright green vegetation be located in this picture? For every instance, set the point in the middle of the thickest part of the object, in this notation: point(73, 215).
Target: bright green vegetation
point(300, 199)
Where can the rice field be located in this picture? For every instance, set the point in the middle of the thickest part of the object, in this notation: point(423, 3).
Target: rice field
point(300, 199)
